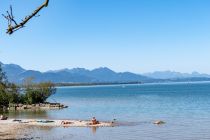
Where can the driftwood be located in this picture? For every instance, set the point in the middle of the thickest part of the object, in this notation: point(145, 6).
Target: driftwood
point(13, 25)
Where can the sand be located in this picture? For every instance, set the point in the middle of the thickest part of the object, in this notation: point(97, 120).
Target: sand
point(53, 123)
point(10, 129)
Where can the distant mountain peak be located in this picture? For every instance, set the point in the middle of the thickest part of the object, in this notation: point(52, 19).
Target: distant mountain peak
point(17, 74)
point(195, 72)
point(78, 69)
point(174, 75)
point(13, 65)
point(75, 75)
point(103, 69)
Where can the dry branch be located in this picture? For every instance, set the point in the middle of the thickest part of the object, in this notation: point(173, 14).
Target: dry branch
point(13, 25)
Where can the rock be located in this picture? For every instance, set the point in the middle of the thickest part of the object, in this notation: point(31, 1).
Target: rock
point(36, 106)
point(158, 122)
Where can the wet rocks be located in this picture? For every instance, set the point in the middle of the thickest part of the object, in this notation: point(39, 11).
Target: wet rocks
point(36, 106)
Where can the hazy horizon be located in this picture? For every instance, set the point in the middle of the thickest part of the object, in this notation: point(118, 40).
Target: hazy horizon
point(105, 67)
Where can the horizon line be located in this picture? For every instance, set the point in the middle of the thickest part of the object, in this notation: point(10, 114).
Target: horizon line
point(150, 72)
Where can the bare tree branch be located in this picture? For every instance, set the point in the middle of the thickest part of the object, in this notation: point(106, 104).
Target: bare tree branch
point(13, 25)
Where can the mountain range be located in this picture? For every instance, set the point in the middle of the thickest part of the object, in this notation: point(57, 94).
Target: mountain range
point(17, 74)
point(175, 75)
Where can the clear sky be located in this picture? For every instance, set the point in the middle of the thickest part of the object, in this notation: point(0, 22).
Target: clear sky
point(124, 35)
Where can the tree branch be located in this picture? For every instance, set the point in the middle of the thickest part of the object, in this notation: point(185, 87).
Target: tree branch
point(14, 26)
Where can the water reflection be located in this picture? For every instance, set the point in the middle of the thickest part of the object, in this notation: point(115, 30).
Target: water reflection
point(26, 114)
point(55, 133)
point(94, 128)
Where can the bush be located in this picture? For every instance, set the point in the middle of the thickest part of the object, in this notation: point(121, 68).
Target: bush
point(32, 93)
point(38, 93)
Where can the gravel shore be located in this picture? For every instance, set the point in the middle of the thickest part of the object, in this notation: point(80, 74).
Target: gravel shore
point(17, 129)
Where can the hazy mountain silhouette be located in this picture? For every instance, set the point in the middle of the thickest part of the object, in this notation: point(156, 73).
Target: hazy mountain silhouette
point(17, 74)
point(175, 75)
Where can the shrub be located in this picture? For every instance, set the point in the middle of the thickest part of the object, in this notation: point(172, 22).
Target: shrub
point(38, 93)
point(32, 92)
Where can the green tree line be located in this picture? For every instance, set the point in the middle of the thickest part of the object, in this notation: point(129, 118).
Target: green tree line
point(29, 93)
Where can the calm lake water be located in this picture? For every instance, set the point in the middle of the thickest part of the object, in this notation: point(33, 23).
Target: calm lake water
point(185, 107)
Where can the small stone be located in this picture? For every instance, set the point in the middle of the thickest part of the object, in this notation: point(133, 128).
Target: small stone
point(158, 122)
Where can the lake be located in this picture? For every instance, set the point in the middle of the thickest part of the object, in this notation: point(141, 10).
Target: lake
point(185, 107)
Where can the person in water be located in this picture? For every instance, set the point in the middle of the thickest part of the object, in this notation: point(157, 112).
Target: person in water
point(94, 121)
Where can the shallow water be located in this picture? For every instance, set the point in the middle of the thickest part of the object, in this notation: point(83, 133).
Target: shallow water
point(185, 107)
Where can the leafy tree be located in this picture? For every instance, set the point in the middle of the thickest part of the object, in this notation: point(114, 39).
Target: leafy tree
point(33, 93)
point(8, 91)
point(3, 86)
point(14, 95)
point(38, 93)
point(3, 78)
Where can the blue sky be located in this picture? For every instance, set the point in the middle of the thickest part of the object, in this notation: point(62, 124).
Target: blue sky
point(124, 35)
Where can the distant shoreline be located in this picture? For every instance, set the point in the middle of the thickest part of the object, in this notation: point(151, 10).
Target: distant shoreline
point(123, 83)
point(94, 84)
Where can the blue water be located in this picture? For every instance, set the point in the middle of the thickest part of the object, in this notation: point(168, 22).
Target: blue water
point(185, 107)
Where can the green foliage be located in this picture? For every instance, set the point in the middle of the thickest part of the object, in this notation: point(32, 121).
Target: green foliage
point(38, 93)
point(13, 93)
point(3, 86)
point(32, 93)
point(3, 78)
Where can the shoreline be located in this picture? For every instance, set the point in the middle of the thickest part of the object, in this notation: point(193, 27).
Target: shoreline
point(18, 128)
point(40, 106)
point(55, 123)
point(135, 83)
